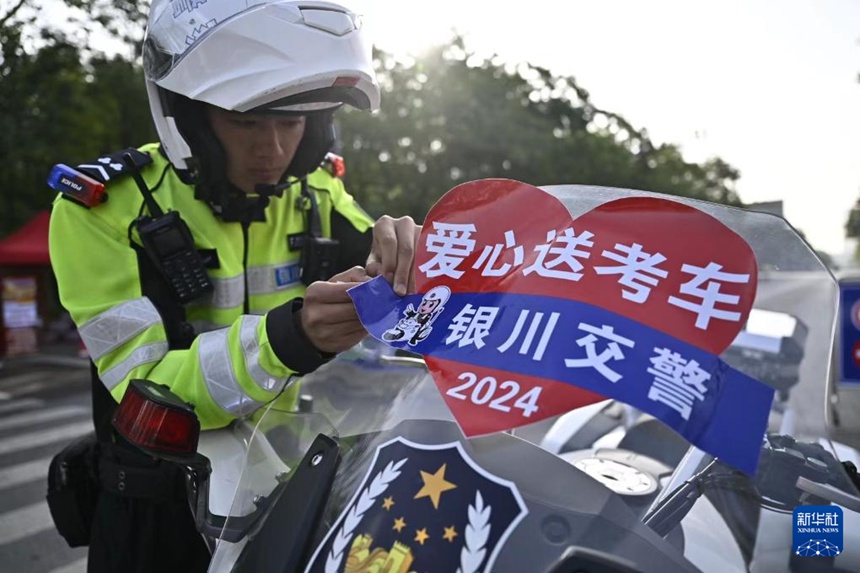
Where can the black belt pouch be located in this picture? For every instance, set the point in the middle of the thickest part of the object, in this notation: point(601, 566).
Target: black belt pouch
point(73, 490)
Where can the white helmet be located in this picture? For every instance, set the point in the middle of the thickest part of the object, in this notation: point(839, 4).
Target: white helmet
point(440, 293)
point(253, 55)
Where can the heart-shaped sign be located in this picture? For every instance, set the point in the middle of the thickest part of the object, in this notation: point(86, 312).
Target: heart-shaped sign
point(656, 261)
point(632, 256)
point(524, 312)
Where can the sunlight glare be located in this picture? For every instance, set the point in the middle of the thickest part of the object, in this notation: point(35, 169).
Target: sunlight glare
point(402, 29)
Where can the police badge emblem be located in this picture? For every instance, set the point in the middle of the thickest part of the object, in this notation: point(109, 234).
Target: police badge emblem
point(422, 508)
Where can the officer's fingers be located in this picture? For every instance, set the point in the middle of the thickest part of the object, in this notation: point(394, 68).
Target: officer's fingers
point(405, 229)
point(337, 313)
point(325, 324)
point(328, 292)
point(332, 327)
point(344, 340)
point(349, 335)
point(354, 275)
point(373, 266)
point(384, 250)
point(353, 338)
point(328, 336)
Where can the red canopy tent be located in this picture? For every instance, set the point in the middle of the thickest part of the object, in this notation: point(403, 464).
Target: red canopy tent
point(24, 257)
point(28, 246)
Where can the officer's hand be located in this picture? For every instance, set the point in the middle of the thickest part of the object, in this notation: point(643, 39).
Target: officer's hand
point(393, 252)
point(328, 316)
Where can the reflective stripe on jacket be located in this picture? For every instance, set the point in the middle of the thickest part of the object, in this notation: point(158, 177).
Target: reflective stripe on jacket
point(231, 368)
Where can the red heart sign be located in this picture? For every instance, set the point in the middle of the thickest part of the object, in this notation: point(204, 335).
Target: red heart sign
point(696, 278)
point(653, 260)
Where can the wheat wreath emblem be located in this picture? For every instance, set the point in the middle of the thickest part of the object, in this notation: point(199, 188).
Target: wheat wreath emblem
point(477, 533)
point(377, 487)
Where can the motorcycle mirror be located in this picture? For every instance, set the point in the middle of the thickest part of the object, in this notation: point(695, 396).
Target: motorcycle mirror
point(157, 421)
point(770, 348)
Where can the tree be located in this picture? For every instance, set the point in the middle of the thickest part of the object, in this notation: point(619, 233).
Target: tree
point(852, 223)
point(118, 20)
point(451, 117)
point(61, 100)
point(447, 118)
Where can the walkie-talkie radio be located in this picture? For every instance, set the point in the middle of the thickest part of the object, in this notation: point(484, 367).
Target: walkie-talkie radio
point(170, 246)
point(319, 254)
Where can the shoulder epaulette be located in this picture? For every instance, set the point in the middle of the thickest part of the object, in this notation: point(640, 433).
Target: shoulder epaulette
point(334, 164)
point(112, 166)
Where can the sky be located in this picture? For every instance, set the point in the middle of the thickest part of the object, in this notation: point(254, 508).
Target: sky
point(769, 86)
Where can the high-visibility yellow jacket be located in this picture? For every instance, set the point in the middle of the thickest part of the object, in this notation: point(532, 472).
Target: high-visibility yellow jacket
point(247, 346)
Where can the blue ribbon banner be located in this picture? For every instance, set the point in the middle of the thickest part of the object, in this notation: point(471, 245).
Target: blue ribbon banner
point(719, 409)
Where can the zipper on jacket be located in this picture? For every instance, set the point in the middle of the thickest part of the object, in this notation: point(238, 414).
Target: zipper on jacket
point(246, 307)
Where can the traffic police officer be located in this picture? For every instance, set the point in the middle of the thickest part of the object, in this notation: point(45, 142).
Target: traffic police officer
point(202, 262)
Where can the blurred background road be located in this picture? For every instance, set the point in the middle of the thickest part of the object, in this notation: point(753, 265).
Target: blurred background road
point(44, 405)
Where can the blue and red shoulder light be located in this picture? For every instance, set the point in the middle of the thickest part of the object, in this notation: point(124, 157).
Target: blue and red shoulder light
point(77, 186)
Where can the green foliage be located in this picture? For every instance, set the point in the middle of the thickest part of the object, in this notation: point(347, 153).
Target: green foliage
point(59, 104)
point(852, 225)
point(447, 118)
point(76, 113)
point(450, 117)
point(119, 20)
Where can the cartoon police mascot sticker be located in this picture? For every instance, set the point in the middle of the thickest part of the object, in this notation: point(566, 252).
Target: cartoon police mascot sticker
point(415, 324)
point(421, 508)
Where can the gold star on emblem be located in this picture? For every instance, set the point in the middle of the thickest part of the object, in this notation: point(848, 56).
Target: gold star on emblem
point(434, 485)
point(450, 533)
point(388, 502)
point(399, 524)
point(421, 535)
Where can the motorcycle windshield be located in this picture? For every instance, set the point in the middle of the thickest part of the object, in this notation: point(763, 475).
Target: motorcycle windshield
point(605, 486)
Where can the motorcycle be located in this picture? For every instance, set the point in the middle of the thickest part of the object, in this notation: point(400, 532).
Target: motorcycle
point(374, 472)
